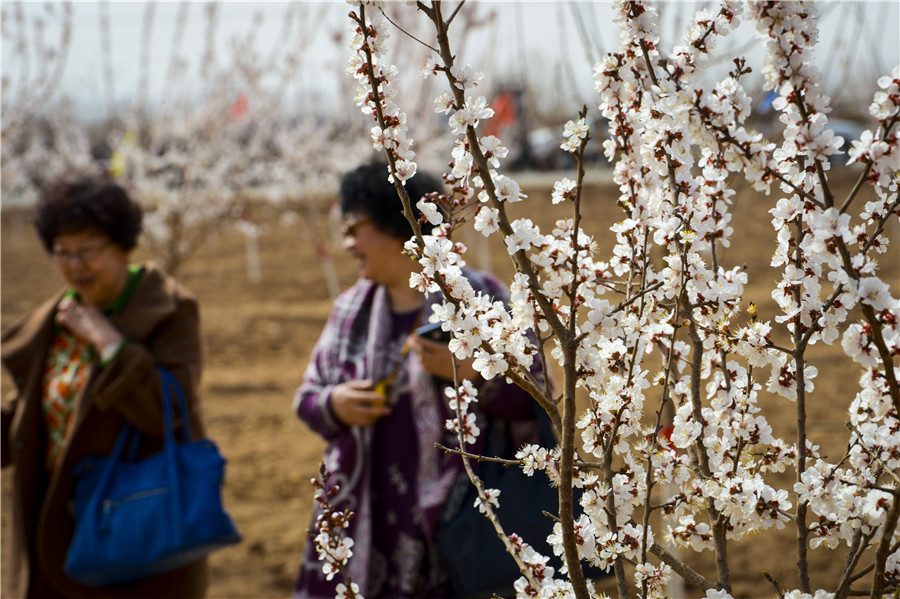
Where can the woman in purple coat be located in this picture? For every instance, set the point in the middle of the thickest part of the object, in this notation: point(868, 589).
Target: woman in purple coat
point(381, 452)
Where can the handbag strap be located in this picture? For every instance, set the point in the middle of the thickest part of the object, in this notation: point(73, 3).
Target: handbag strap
point(168, 381)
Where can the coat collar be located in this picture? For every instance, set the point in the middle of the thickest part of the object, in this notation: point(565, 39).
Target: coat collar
point(153, 301)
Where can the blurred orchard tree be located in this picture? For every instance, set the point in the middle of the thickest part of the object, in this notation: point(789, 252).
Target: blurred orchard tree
point(221, 137)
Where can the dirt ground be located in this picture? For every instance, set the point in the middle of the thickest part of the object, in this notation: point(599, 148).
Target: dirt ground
point(259, 336)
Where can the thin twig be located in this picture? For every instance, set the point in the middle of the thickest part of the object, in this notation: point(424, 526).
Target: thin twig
point(405, 32)
point(863, 177)
point(455, 12)
point(477, 457)
point(775, 584)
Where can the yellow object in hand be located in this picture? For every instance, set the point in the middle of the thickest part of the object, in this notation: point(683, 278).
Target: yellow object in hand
point(381, 387)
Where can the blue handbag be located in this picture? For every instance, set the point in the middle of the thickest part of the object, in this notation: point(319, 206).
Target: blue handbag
point(141, 518)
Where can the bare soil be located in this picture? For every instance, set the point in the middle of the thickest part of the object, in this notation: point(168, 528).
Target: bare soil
point(259, 336)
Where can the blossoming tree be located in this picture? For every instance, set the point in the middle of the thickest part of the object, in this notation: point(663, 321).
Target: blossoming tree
point(661, 323)
point(36, 141)
point(221, 134)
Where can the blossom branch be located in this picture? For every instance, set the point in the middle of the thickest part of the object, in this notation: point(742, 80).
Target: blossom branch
point(686, 572)
point(522, 378)
point(566, 425)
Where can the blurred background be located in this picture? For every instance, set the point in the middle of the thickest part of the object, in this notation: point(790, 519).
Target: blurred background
point(271, 75)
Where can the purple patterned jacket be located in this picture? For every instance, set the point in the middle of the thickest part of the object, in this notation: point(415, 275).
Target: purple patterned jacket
point(352, 346)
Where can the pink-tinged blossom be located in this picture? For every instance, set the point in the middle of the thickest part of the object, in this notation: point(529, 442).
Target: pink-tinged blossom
point(467, 428)
point(423, 282)
point(405, 169)
point(493, 150)
point(431, 67)
point(444, 103)
point(887, 100)
point(461, 397)
point(524, 236)
point(479, 108)
point(466, 76)
point(487, 221)
point(562, 190)
point(876, 293)
point(430, 211)
point(574, 133)
point(868, 148)
point(344, 592)
point(464, 344)
point(491, 497)
point(507, 189)
point(334, 552)
point(489, 365)
point(691, 534)
point(462, 162)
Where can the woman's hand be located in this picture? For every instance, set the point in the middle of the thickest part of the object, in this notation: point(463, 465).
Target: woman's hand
point(87, 323)
point(356, 404)
point(436, 359)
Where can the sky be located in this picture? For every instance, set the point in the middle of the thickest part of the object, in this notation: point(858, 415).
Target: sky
point(541, 44)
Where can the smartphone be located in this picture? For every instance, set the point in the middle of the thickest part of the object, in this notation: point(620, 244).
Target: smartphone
point(434, 332)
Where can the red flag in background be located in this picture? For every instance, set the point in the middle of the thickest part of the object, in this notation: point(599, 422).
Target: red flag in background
point(239, 107)
point(504, 106)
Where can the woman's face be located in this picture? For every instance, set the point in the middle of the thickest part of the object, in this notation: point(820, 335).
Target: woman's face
point(379, 255)
point(92, 265)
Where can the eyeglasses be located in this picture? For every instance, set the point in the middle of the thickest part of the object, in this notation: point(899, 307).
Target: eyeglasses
point(84, 254)
point(349, 229)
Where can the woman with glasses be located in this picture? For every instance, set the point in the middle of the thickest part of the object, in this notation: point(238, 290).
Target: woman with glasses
point(84, 364)
point(374, 391)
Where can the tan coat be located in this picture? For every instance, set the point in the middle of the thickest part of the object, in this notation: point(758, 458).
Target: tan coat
point(161, 323)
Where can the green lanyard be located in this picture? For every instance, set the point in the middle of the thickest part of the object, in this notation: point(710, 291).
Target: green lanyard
point(134, 277)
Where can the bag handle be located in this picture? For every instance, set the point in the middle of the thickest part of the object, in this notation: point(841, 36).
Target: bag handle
point(168, 381)
point(165, 377)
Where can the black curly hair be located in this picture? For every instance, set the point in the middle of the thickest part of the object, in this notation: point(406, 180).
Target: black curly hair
point(82, 203)
point(366, 190)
